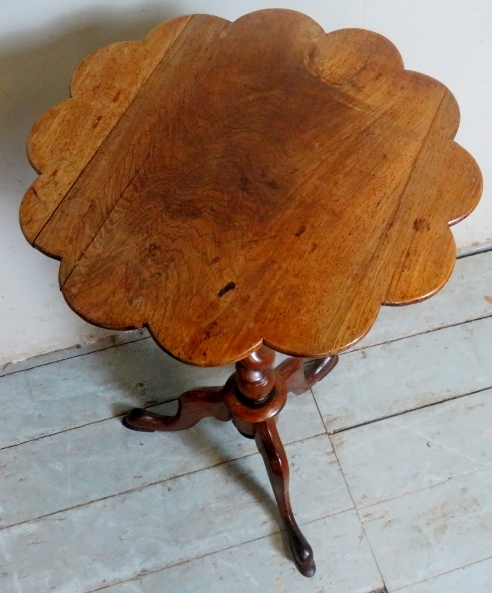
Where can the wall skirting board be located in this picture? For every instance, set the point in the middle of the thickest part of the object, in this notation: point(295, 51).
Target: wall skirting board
point(474, 248)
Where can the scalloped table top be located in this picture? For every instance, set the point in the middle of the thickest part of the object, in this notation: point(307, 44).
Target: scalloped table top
point(230, 184)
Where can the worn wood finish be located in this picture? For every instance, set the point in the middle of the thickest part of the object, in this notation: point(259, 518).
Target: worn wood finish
point(102, 88)
point(448, 525)
point(422, 485)
point(420, 449)
point(475, 577)
point(81, 464)
point(465, 297)
point(264, 153)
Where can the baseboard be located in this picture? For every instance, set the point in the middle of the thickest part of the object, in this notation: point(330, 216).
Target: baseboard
point(80, 349)
point(474, 248)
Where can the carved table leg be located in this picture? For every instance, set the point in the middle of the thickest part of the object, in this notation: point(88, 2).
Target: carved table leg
point(273, 453)
point(255, 395)
point(300, 375)
point(252, 397)
point(193, 406)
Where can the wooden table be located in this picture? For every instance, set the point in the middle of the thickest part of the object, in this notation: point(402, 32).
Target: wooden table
point(246, 187)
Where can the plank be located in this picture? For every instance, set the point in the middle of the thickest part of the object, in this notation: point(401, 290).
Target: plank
point(475, 577)
point(104, 459)
point(117, 538)
point(417, 450)
point(436, 530)
point(406, 374)
point(179, 43)
point(344, 565)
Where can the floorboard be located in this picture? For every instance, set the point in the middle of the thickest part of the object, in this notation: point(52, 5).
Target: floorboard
point(406, 374)
point(463, 298)
point(476, 578)
point(433, 531)
point(90, 388)
point(418, 450)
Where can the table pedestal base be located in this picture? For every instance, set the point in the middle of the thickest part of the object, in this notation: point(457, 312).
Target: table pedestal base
point(252, 398)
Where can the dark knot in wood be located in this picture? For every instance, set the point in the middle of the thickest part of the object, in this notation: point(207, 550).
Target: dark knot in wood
point(255, 376)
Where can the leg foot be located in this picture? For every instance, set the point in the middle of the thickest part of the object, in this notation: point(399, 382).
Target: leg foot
point(300, 375)
point(273, 453)
point(193, 406)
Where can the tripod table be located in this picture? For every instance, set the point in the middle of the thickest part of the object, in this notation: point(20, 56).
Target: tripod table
point(247, 187)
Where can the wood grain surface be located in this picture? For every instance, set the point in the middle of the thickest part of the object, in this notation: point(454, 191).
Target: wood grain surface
point(251, 182)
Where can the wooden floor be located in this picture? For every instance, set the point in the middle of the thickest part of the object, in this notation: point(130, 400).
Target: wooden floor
point(391, 459)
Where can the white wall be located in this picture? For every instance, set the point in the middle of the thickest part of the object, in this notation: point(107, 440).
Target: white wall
point(42, 41)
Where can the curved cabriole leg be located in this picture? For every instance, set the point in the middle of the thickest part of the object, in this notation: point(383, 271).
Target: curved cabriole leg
point(300, 375)
point(273, 453)
point(193, 406)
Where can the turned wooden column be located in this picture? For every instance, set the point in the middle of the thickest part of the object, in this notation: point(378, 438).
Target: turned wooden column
point(256, 391)
point(255, 376)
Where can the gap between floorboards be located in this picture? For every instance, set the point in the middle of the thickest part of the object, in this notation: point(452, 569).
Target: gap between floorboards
point(441, 401)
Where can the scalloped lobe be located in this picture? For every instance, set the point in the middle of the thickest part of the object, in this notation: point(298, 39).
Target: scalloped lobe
point(50, 143)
